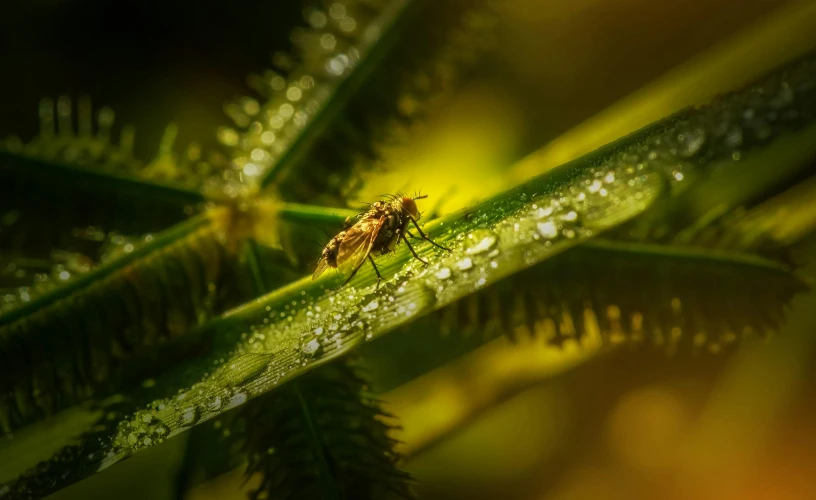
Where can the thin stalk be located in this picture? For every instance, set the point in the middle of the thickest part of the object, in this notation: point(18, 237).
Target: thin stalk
point(161, 241)
point(309, 214)
point(55, 171)
point(637, 251)
point(392, 23)
point(324, 470)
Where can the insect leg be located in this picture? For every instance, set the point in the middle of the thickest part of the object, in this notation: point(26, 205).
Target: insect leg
point(352, 274)
point(379, 276)
point(409, 233)
point(425, 237)
point(349, 277)
point(413, 251)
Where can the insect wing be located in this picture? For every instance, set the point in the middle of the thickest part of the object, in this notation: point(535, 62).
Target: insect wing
point(322, 265)
point(357, 243)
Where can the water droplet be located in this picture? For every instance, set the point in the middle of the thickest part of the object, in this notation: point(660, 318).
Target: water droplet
point(371, 306)
point(189, 416)
point(480, 241)
point(761, 129)
point(215, 404)
point(464, 264)
point(251, 170)
point(228, 136)
point(311, 348)
point(691, 141)
point(734, 137)
point(317, 19)
point(541, 212)
point(782, 98)
point(294, 93)
point(268, 137)
point(242, 368)
point(595, 186)
point(348, 24)
point(570, 216)
point(443, 273)
point(337, 65)
point(547, 229)
point(337, 11)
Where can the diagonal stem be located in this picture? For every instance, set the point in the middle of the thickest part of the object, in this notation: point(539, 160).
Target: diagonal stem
point(163, 240)
point(59, 172)
point(327, 478)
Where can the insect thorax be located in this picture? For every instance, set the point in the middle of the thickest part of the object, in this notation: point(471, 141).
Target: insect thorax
point(392, 228)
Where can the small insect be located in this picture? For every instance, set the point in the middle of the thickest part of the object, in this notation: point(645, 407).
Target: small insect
point(374, 232)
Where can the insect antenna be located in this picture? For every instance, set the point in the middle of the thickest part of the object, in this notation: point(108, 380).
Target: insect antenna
point(317, 245)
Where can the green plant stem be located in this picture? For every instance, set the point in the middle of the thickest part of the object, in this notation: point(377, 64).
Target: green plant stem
point(60, 172)
point(392, 22)
point(254, 265)
point(161, 241)
point(309, 214)
point(324, 470)
point(636, 251)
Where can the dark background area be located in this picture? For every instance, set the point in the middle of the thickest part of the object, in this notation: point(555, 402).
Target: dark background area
point(152, 61)
point(157, 61)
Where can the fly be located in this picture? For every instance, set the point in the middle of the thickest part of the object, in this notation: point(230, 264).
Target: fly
point(374, 232)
